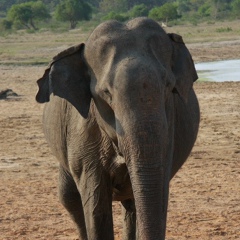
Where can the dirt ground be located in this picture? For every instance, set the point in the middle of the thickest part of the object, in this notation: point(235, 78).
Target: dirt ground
point(205, 194)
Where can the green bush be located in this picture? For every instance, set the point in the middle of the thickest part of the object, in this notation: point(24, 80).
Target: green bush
point(167, 11)
point(205, 10)
point(236, 7)
point(5, 24)
point(28, 13)
point(139, 11)
point(115, 16)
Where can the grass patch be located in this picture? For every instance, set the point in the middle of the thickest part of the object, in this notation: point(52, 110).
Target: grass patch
point(205, 32)
point(32, 48)
point(222, 29)
point(23, 48)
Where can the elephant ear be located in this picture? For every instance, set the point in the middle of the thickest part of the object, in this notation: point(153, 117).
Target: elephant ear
point(67, 77)
point(182, 66)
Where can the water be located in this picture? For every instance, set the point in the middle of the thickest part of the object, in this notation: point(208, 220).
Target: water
point(220, 71)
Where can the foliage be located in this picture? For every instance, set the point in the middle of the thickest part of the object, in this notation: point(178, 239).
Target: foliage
point(183, 6)
point(149, 3)
point(117, 6)
point(166, 12)
point(139, 11)
point(205, 10)
point(125, 5)
point(73, 11)
point(94, 3)
point(76, 10)
point(115, 16)
point(5, 25)
point(27, 13)
point(236, 7)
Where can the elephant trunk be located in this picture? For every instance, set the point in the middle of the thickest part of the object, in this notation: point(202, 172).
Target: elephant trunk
point(147, 150)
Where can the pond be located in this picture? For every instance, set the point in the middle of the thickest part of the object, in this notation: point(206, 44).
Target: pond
point(219, 71)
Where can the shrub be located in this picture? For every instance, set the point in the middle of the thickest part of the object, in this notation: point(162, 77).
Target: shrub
point(236, 7)
point(115, 16)
point(139, 11)
point(205, 10)
point(27, 13)
point(166, 12)
point(6, 24)
point(73, 11)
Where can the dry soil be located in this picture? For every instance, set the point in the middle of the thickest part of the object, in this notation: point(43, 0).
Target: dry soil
point(205, 194)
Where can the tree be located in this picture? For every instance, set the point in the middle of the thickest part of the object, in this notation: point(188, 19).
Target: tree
point(27, 13)
point(205, 10)
point(139, 10)
point(149, 3)
point(73, 11)
point(236, 7)
point(222, 5)
point(117, 6)
point(124, 5)
point(115, 16)
point(5, 25)
point(94, 3)
point(167, 11)
point(183, 6)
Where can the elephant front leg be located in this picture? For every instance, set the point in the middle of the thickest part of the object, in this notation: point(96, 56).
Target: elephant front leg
point(129, 220)
point(71, 200)
point(95, 189)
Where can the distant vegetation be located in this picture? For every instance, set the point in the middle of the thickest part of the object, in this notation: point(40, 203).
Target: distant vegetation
point(26, 14)
point(73, 11)
point(51, 14)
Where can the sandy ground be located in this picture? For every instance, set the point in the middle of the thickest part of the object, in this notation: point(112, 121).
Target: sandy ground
point(205, 195)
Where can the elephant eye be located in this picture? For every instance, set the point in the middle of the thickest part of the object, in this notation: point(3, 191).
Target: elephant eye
point(107, 92)
point(107, 96)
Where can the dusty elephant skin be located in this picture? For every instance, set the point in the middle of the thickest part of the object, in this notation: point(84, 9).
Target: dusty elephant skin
point(121, 117)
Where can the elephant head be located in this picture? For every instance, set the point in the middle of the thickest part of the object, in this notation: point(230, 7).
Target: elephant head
point(131, 72)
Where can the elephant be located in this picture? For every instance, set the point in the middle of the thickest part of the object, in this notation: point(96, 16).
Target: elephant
point(121, 116)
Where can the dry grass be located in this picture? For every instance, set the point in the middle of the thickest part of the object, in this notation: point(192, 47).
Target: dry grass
point(34, 48)
point(25, 48)
point(208, 32)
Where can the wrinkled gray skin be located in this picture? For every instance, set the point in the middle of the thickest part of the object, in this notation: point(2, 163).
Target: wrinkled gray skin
point(121, 118)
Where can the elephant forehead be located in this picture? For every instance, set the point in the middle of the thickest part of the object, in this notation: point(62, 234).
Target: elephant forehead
point(107, 38)
point(113, 40)
point(137, 25)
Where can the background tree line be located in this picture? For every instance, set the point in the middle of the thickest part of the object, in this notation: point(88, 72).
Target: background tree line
point(29, 14)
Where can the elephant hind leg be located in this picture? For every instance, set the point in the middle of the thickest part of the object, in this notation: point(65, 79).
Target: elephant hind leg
point(70, 198)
